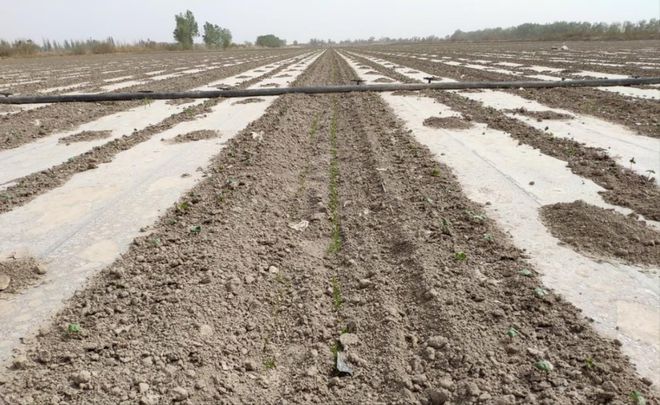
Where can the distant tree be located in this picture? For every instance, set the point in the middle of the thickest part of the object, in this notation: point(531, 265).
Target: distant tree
point(216, 37)
point(270, 41)
point(295, 43)
point(186, 29)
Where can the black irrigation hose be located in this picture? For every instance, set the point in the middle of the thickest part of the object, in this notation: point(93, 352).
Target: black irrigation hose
point(87, 98)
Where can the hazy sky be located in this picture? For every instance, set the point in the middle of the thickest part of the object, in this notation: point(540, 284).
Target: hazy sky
point(129, 20)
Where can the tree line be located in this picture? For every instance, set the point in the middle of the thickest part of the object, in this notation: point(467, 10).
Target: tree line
point(565, 31)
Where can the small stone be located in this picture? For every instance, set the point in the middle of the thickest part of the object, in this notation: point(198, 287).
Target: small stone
point(179, 393)
point(250, 365)
point(4, 282)
point(419, 379)
point(438, 396)
point(205, 330)
point(82, 377)
point(249, 279)
point(348, 339)
point(485, 397)
point(446, 382)
point(40, 269)
point(233, 284)
point(506, 400)
point(19, 363)
point(610, 386)
point(273, 270)
point(429, 353)
point(143, 387)
point(364, 283)
point(472, 389)
point(438, 342)
point(149, 400)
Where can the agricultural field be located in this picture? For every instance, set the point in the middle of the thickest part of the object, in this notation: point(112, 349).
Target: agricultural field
point(427, 247)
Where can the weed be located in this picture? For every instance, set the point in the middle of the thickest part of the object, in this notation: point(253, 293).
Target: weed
point(73, 329)
point(196, 229)
point(637, 398)
point(335, 348)
point(435, 172)
point(445, 227)
point(476, 217)
point(269, 363)
point(460, 256)
point(540, 292)
point(489, 238)
point(155, 242)
point(337, 299)
point(525, 272)
point(183, 207)
point(589, 363)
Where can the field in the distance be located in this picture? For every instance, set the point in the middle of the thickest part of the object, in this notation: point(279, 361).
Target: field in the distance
point(445, 247)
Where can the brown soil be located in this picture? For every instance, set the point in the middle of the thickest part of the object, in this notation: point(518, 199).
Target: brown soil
point(383, 80)
point(623, 186)
point(281, 76)
point(447, 123)
point(541, 115)
point(372, 72)
point(602, 232)
point(248, 310)
point(195, 136)
point(85, 136)
point(249, 101)
point(35, 184)
point(270, 85)
point(22, 272)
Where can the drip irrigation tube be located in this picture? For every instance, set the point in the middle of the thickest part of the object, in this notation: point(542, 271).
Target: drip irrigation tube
point(145, 95)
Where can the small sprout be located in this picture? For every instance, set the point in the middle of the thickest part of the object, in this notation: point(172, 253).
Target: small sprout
point(435, 172)
point(489, 238)
point(460, 256)
point(73, 328)
point(512, 332)
point(446, 227)
point(337, 299)
point(196, 229)
point(155, 242)
point(269, 363)
point(637, 398)
point(183, 207)
point(632, 160)
point(544, 365)
point(589, 363)
point(540, 292)
point(525, 272)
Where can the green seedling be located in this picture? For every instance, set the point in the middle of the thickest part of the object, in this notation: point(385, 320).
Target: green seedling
point(196, 229)
point(489, 238)
point(512, 332)
point(540, 292)
point(445, 226)
point(525, 272)
point(73, 329)
point(544, 365)
point(269, 363)
point(183, 207)
point(637, 398)
point(460, 256)
point(155, 242)
point(435, 172)
point(589, 363)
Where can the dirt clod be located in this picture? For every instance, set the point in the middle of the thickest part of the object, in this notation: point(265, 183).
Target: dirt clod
point(603, 232)
point(85, 136)
point(447, 123)
point(195, 136)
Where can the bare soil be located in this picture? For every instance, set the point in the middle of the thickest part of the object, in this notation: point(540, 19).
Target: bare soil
point(195, 136)
point(246, 309)
point(85, 136)
point(250, 100)
point(18, 274)
point(542, 115)
point(447, 123)
point(604, 233)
